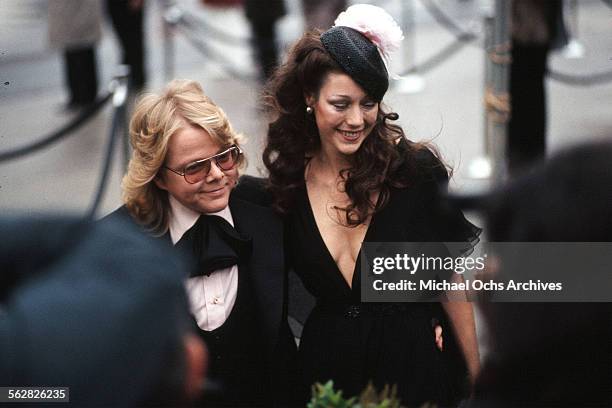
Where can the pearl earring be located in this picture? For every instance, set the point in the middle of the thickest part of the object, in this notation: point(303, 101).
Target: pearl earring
point(309, 110)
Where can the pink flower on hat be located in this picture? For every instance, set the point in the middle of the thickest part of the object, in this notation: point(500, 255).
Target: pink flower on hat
point(376, 25)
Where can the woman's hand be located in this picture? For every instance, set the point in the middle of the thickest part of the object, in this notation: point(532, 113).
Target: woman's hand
point(439, 338)
point(461, 318)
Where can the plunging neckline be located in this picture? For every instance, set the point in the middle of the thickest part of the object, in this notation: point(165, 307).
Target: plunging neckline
point(313, 220)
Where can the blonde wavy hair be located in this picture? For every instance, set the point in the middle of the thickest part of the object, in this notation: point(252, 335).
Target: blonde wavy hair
point(155, 119)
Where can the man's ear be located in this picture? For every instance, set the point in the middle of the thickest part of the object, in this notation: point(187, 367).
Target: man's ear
point(196, 357)
point(160, 181)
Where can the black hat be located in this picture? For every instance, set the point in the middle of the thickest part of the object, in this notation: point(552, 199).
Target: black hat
point(359, 58)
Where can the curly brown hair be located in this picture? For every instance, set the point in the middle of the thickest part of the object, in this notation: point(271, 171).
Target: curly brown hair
point(384, 160)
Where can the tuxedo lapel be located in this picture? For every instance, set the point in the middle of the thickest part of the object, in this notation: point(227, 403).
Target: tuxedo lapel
point(265, 266)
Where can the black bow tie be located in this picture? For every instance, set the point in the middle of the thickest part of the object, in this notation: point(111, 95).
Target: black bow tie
point(215, 245)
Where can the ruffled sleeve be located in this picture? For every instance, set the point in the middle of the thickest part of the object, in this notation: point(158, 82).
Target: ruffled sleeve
point(448, 222)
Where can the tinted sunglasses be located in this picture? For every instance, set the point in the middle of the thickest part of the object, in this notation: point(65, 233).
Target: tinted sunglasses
point(197, 171)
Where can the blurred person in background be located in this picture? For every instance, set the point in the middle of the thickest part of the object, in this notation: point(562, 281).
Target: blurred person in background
point(74, 30)
point(551, 354)
point(321, 13)
point(178, 186)
point(128, 23)
point(262, 17)
point(98, 308)
point(537, 28)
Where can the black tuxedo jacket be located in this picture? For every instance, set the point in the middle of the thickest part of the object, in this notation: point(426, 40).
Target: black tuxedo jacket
point(267, 275)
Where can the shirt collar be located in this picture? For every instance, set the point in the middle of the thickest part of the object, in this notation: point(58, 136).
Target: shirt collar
point(182, 218)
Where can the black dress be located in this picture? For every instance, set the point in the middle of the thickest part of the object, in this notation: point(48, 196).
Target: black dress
point(352, 342)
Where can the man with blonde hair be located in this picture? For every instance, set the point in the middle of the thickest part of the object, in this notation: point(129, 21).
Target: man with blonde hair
point(178, 187)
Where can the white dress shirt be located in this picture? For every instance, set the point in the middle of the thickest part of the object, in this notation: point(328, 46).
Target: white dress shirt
point(211, 297)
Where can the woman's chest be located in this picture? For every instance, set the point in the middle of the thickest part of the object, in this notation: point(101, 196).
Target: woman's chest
point(341, 240)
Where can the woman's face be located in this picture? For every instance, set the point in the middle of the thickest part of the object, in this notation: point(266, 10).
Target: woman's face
point(344, 113)
point(208, 195)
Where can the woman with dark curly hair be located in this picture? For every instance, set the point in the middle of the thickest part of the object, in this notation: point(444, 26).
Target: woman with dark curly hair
point(343, 174)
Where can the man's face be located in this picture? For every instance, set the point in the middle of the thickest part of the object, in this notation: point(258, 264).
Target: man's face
point(209, 195)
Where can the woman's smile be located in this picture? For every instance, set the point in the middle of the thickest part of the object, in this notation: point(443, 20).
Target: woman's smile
point(351, 135)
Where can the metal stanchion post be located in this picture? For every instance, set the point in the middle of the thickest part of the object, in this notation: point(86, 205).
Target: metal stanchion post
point(481, 167)
point(119, 91)
point(127, 149)
point(171, 15)
point(574, 48)
point(492, 165)
point(119, 88)
point(122, 74)
point(489, 23)
point(412, 82)
point(498, 101)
